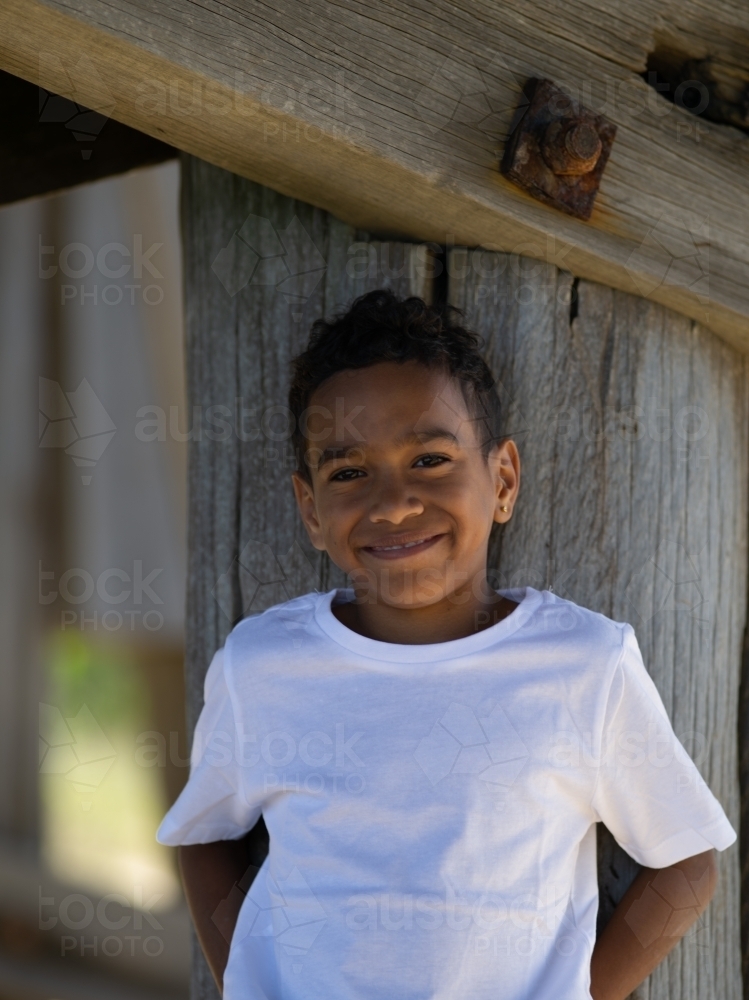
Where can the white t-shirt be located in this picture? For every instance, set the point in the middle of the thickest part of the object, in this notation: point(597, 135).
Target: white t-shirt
point(432, 808)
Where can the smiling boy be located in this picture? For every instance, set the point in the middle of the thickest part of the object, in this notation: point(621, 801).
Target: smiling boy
point(430, 756)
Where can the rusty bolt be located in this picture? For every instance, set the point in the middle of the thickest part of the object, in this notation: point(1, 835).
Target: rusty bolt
point(558, 149)
point(571, 148)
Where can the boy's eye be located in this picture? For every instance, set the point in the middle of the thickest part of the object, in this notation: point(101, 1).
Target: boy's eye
point(432, 460)
point(344, 475)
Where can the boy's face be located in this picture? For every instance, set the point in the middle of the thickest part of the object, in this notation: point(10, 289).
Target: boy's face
point(402, 498)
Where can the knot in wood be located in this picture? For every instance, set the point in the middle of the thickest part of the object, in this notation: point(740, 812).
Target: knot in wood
point(571, 147)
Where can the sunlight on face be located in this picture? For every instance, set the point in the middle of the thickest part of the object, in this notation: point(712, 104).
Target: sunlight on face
point(402, 498)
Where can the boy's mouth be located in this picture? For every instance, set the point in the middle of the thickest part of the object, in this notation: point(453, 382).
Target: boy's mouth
point(401, 549)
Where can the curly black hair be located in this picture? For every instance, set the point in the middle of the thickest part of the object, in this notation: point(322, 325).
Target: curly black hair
point(381, 327)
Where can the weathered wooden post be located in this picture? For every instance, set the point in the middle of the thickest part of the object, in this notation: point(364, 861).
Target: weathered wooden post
point(632, 422)
point(259, 268)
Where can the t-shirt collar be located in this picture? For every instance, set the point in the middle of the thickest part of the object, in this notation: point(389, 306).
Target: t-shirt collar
point(527, 597)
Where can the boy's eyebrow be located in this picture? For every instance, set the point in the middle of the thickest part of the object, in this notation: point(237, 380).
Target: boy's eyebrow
point(428, 434)
point(330, 454)
point(411, 437)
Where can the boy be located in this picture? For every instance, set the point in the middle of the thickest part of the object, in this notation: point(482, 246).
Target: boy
point(430, 756)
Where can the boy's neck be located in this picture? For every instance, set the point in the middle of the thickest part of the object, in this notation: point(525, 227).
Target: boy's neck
point(440, 622)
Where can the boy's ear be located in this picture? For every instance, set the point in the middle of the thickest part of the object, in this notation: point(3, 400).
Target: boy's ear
point(305, 501)
point(504, 460)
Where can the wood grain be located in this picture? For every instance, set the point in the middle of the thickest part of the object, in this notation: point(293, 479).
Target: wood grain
point(393, 117)
point(247, 548)
point(632, 423)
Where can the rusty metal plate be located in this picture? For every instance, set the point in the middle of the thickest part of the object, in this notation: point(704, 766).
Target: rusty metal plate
point(558, 149)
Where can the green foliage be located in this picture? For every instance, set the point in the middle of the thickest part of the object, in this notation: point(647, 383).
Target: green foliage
point(104, 677)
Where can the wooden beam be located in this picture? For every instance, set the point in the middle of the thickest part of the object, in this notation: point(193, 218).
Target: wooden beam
point(49, 143)
point(393, 118)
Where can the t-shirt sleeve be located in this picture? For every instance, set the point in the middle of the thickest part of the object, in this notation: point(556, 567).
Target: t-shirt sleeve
point(213, 804)
point(649, 792)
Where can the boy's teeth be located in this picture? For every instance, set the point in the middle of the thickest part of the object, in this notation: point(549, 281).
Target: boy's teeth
point(407, 545)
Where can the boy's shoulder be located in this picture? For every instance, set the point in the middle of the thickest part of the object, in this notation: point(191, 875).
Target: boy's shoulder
point(279, 623)
point(560, 616)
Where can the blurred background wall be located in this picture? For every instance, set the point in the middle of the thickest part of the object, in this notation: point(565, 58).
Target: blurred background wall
point(92, 567)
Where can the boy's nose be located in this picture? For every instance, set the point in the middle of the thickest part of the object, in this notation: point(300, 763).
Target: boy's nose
point(394, 502)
